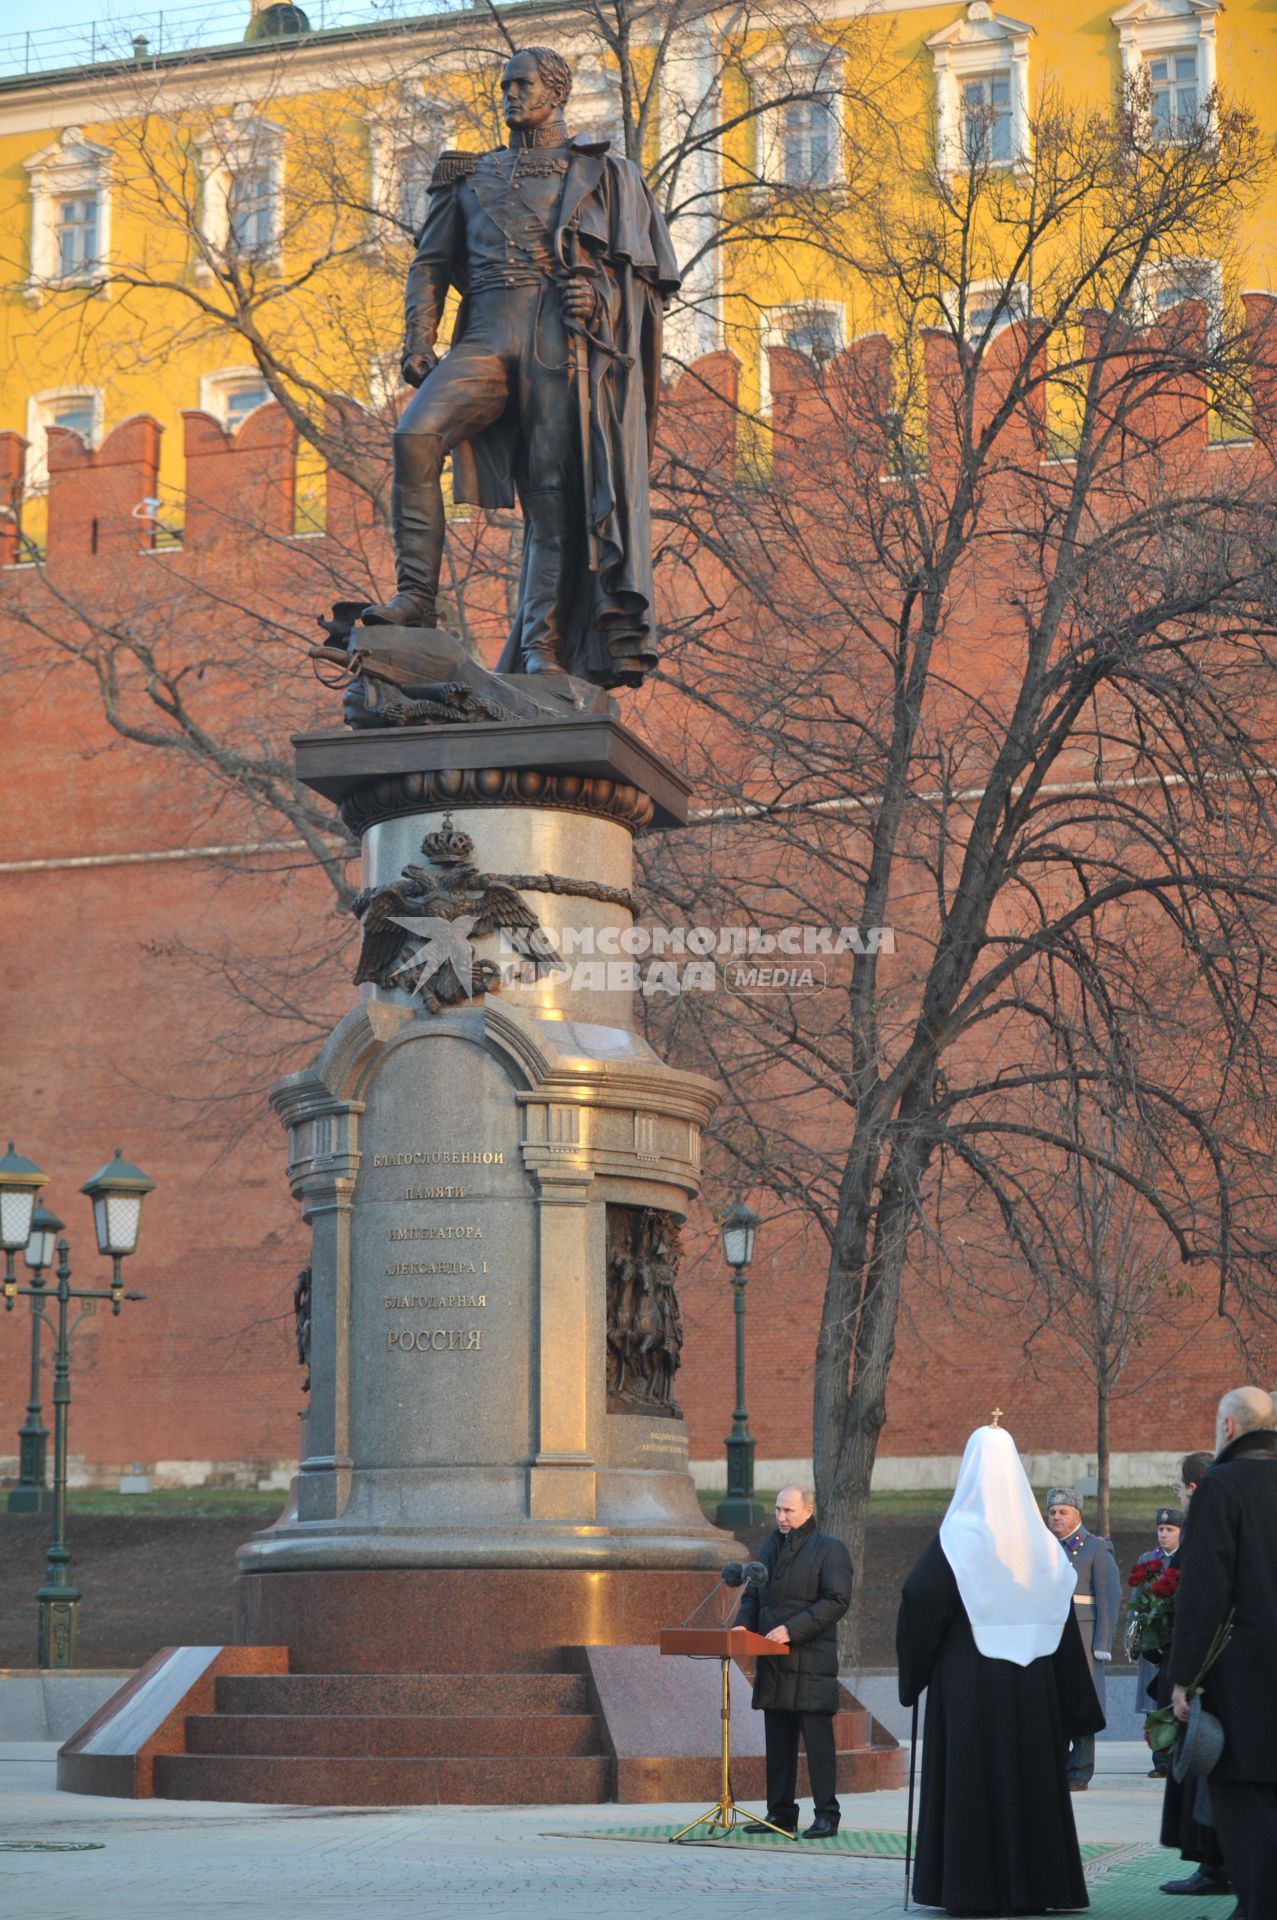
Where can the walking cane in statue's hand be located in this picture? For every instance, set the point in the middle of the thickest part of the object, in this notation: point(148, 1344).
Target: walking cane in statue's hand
point(913, 1748)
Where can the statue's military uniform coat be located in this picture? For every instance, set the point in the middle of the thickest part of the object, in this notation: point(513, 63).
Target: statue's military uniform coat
point(503, 248)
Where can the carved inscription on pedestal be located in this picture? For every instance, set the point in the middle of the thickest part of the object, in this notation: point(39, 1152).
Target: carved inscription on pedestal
point(442, 1263)
point(644, 1320)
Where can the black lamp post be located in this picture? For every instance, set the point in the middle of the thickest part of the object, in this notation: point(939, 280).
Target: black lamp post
point(117, 1191)
point(31, 1495)
point(738, 1226)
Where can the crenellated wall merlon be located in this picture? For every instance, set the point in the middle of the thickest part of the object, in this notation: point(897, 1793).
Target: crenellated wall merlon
point(95, 492)
point(241, 479)
point(241, 484)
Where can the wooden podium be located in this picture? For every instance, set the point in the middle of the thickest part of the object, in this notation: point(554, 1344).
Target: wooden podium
point(724, 1644)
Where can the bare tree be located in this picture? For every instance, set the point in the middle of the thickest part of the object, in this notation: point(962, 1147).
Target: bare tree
point(304, 282)
point(989, 662)
point(970, 636)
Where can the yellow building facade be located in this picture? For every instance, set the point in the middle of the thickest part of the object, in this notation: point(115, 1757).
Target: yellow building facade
point(179, 231)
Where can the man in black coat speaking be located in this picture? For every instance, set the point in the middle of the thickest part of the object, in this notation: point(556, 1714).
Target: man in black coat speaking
point(1228, 1564)
point(807, 1593)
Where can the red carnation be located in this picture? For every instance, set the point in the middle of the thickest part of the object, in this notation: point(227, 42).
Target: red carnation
point(1165, 1587)
point(1135, 1578)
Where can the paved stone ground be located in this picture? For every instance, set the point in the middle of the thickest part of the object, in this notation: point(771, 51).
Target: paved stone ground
point(174, 1861)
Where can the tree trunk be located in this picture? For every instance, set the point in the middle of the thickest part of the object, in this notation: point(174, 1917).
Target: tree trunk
point(852, 1370)
point(1102, 1448)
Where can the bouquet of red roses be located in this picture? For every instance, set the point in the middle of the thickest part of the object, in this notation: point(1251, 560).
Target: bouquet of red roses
point(1150, 1610)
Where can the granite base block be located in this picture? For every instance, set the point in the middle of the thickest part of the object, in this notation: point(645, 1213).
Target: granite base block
point(662, 1717)
point(458, 1620)
point(116, 1750)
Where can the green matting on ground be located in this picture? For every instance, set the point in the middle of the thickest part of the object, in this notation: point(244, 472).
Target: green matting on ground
point(866, 1843)
point(1127, 1887)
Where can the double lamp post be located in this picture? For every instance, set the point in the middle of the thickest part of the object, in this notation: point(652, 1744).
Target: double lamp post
point(117, 1191)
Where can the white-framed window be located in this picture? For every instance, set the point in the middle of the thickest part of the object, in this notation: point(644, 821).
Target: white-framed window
point(987, 307)
point(70, 215)
point(984, 108)
point(78, 409)
point(403, 146)
point(385, 382)
point(1169, 283)
point(799, 116)
point(595, 106)
point(1168, 50)
point(815, 328)
point(241, 168)
point(982, 89)
point(249, 210)
point(232, 394)
point(400, 185)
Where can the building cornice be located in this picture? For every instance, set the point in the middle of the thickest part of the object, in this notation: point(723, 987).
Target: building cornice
point(105, 90)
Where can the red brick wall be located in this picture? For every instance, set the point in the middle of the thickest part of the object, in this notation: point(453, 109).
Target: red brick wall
point(115, 1035)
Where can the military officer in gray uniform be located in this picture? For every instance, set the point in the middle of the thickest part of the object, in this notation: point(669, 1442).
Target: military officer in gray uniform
point(1096, 1601)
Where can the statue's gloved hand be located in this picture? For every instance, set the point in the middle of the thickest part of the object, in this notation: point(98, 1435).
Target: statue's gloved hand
point(579, 299)
point(416, 364)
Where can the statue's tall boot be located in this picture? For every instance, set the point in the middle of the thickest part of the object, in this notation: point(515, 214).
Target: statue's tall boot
point(549, 541)
point(417, 520)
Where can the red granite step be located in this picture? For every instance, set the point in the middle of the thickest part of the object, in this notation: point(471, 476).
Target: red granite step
point(402, 1693)
point(393, 1736)
point(342, 1781)
point(852, 1728)
point(691, 1779)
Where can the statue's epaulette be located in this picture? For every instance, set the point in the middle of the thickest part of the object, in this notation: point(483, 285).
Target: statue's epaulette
point(451, 166)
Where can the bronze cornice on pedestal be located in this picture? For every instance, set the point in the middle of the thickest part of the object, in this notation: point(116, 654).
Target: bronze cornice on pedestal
point(425, 792)
point(588, 765)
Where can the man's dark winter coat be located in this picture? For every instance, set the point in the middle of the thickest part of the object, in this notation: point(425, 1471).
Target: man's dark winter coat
point(1229, 1563)
point(808, 1590)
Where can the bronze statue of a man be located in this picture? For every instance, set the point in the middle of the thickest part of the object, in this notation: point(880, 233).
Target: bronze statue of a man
point(548, 392)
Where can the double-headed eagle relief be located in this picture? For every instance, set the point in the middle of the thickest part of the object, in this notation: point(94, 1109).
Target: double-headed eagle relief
point(419, 931)
point(548, 392)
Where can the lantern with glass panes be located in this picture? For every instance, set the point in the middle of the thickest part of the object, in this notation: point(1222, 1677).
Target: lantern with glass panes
point(738, 1225)
point(116, 1191)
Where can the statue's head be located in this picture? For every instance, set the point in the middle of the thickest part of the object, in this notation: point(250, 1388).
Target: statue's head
point(535, 84)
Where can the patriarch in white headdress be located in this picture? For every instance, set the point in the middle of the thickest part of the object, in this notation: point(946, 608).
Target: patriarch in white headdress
point(1014, 1576)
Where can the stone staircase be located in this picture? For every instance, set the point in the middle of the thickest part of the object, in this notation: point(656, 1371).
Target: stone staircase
point(393, 1739)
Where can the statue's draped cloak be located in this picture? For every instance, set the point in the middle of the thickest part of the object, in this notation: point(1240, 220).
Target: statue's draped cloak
point(609, 629)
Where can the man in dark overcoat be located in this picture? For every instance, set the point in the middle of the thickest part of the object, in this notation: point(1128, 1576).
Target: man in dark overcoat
point(1196, 1840)
point(1228, 1565)
point(808, 1591)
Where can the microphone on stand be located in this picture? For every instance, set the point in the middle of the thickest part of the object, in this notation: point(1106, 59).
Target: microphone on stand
point(736, 1573)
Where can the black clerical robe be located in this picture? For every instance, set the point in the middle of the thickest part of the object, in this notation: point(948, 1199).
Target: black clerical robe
point(995, 1822)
